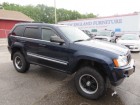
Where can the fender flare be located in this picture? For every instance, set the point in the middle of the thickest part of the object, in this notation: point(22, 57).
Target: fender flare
point(17, 46)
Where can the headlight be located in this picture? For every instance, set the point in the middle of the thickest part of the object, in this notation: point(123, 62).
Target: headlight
point(121, 61)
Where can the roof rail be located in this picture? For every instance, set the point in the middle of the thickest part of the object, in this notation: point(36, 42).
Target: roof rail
point(38, 22)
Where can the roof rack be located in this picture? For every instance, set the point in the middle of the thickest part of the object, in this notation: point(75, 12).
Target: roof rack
point(37, 22)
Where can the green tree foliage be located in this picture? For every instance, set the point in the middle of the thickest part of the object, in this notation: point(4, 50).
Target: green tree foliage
point(43, 13)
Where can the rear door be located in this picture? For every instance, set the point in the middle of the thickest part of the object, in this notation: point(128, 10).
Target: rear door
point(32, 40)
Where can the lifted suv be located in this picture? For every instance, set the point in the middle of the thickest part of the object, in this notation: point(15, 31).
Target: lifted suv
point(69, 50)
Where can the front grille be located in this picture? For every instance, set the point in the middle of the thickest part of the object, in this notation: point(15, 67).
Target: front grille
point(99, 38)
point(129, 58)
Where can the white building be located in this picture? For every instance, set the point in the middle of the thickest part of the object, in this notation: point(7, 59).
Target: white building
point(127, 23)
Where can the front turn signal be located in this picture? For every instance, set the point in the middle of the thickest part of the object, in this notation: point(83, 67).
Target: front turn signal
point(116, 63)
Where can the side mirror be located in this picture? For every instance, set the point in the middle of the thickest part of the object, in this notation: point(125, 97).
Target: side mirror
point(56, 39)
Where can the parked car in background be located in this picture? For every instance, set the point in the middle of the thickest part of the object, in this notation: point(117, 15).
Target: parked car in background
point(132, 41)
point(106, 35)
point(88, 33)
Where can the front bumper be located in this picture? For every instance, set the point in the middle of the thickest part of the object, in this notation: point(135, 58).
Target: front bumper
point(119, 74)
point(138, 49)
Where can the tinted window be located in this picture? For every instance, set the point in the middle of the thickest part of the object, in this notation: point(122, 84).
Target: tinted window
point(32, 33)
point(19, 30)
point(47, 33)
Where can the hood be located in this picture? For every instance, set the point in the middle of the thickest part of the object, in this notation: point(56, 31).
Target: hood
point(103, 37)
point(106, 46)
point(128, 42)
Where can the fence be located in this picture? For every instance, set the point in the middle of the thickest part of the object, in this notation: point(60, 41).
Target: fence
point(4, 33)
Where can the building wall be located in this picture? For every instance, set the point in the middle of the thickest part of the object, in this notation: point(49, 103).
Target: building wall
point(128, 23)
point(6, 26)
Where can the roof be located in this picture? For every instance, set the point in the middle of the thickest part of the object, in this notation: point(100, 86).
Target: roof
point(14, 15)
point(31, 24)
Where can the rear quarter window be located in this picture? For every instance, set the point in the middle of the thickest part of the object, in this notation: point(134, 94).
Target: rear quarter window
point(32, 32)
point(19, 30)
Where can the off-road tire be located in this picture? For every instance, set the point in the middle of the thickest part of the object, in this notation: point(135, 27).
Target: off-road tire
point(24, 66)
point(94, 75)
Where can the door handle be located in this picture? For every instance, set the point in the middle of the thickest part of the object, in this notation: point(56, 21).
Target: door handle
point(42, 44)
point(23, 41)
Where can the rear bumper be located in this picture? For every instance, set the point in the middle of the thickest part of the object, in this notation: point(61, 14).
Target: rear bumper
point(9, 48)
point(119, 74)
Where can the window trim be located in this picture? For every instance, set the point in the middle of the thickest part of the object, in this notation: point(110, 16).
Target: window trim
point(22, 32)
point(32, 27)
point(51, 30)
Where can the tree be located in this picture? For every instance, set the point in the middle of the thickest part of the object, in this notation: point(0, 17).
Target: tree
point(43, 13)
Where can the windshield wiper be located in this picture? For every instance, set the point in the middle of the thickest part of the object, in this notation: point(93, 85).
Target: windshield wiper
point(79, 40)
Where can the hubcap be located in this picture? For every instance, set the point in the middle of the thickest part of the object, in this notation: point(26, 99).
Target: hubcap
point(18, 62)
point(88, 84)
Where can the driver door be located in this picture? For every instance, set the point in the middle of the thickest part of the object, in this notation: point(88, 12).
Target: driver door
point(53, 54)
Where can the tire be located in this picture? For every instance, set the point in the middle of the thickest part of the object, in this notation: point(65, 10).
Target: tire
point(89, 83)
point(20, 64)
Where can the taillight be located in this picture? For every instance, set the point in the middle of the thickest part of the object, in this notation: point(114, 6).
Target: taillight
point(11, 33)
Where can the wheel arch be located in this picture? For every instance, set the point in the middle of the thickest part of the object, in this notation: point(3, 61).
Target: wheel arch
point(101, 66)
point(17, 47)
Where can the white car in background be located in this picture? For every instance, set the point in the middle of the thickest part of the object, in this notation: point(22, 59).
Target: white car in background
point(106, 35)
point(132, 41)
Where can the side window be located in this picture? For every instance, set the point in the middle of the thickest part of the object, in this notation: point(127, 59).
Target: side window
point(47, 33)
point(32, 32)
point(19, 30)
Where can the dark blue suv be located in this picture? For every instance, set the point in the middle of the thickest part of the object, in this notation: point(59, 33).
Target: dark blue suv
point(68, 49)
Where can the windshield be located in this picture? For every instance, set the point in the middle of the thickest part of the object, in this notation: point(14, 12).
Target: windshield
point(74, 34)
point(130, 37)
point(105, 33)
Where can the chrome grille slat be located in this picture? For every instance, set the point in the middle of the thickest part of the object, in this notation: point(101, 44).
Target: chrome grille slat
point(129, 58)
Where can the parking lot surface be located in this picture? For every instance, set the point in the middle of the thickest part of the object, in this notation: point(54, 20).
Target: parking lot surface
point(43, 86)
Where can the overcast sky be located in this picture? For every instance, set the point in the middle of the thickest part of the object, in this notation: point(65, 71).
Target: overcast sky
point(97, 7)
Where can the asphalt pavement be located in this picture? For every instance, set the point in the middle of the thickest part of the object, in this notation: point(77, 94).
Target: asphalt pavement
point(43, 86)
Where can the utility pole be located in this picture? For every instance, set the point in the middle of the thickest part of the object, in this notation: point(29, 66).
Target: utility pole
point(1, 7)
point(55, 11)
